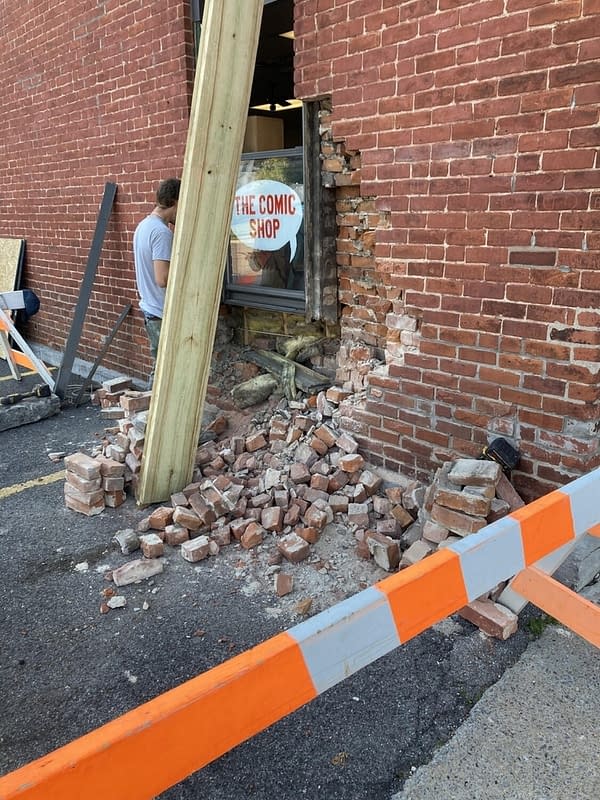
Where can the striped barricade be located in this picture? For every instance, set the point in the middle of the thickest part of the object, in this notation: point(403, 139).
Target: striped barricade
point(205, 717)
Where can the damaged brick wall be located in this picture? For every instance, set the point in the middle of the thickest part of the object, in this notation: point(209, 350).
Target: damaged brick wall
point(91, 93)
point(477, 128)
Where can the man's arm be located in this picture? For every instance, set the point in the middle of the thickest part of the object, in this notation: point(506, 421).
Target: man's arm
point(161, 272)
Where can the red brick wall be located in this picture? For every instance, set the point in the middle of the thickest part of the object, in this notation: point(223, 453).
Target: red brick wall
point(91, 92)
point(476, 122)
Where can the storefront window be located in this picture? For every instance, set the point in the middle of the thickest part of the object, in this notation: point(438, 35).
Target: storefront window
point(266, 253)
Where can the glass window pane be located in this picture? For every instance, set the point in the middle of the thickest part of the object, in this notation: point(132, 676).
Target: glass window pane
point(267, 231)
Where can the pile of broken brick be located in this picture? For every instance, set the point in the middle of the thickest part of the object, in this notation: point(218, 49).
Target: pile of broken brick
point(284, 483)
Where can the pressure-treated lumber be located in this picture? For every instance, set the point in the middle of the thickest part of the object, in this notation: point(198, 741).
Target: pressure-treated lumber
point(226, 60)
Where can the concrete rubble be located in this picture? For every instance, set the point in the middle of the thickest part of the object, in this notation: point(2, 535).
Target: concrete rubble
point(283, 483)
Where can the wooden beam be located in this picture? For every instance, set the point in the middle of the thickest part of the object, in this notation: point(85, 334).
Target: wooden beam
point(560, 602)
point(223, 81)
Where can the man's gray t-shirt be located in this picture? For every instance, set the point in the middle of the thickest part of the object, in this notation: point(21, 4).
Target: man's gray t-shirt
point(152, 241)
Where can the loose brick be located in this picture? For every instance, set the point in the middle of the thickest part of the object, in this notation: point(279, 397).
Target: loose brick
point(499, 508)
point(176, 534)
point(385, 551)
point(132, 402)
point(252, 536)
point(138, 570)
point(347, 443)
point(114, 499)
point(115, 385)
point(133, 463)
point(465, 501)
point(370, 481)
point(326, 435)
point(337, 395)
point(456, 521)
point(299, 473)
point(388, 527)
point(358, 514)
point(319, 446)
point(320, 482)
point(281, 498)
point(238, 526)
point(116, 453)
point(93, 498)
point(338, 480)
point(81, 484)
point(272, 519)
point(381, 505)
point(309, 534)
point(195, 549)
point(221, 535)
point(359, 494)
point(338, 503)
point(187, 518)
point(351, 462)
point(434, 533)
point(293, 547)
point(161, 517)
point(473, 472)
point(113, 484)
point(202, 509)
point(255, 442)
point(416, 552)
point(402, 517)
point(152, 545)
point(316, 518)
point(127, 540)
point(179, 499)
point(292, 515)
point(83, 465)
point(83, 508)
point(492, 618)
point(413, 497)
point(283, 584)
point(506, 491)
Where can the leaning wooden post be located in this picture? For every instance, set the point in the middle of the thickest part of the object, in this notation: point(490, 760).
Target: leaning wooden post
point(221, 96)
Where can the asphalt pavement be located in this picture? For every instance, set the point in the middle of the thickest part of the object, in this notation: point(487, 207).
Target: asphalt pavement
point(66, 669)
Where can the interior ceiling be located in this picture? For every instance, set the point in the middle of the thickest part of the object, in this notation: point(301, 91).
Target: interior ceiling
point(274, 72)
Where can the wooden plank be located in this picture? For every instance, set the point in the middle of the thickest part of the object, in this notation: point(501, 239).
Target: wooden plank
point(306, 379)
point(223, 81)
point(560, 602)
point(11, 263)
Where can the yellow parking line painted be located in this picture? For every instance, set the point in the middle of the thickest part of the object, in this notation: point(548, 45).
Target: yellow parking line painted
point(25, 374)
point(21, 487)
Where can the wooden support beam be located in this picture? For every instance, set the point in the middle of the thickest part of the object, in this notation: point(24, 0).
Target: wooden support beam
point(223, 81)
point(560, 602)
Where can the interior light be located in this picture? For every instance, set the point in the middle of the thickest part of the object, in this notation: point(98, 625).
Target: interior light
point(287, 35)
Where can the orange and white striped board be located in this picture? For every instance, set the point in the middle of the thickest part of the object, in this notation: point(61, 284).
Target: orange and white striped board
point(205, 717)
point(25, 357)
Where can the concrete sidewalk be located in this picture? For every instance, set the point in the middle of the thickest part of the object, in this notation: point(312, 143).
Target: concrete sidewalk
point(532, 736)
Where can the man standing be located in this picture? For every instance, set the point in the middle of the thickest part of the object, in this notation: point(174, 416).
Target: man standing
point(152, 243)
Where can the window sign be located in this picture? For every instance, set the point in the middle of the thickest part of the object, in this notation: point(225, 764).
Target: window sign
point(267, 231)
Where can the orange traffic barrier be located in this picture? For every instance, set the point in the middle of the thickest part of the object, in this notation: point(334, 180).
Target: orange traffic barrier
point(200, 720)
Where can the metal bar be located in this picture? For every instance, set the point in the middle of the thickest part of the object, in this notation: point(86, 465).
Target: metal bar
point(98, 360)
point(64, 373)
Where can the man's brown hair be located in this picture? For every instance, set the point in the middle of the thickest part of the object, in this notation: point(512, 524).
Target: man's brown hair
point(167, 193)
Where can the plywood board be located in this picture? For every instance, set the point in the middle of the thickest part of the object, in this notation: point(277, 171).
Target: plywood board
point(11, 262)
